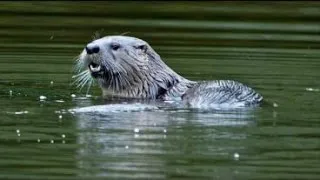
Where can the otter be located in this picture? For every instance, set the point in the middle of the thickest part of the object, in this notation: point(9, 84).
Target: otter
point(129, 67)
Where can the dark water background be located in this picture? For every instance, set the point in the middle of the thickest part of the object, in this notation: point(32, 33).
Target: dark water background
point(271, 46)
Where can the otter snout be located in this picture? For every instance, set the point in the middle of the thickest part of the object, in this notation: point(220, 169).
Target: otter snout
point(92, 48)
point(95, 69)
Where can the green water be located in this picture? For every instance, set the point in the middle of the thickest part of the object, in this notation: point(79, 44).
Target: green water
point(271, 46)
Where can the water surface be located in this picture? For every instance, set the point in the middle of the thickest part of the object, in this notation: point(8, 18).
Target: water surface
point(272, 47)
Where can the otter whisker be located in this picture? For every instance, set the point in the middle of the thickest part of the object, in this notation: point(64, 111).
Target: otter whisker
point(82, 79)
point(81, 74)
point(79, 80)
point(97, 34)
point(83, 83)
point(80, 64)
point(125, 33)
point(89, 85)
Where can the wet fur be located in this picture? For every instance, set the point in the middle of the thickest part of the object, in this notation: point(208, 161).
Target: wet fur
point(135, 70)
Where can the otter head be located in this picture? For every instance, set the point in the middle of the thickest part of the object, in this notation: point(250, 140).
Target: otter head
point(125, 66)
point(114, 55)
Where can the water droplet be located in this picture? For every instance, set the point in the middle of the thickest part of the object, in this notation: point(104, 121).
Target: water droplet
point(88, 95)
point(38, 140)
point(18, 131)
point(18, 135)
point(236, 156)
point(63, 141)
point(73, 95)
point(52, 141)
point(127, 147)
point(10, 92)
point(51, 83)
point(165, 131)
point(312, 89)
point(42, 98)
point(275, 105)
point(63, 136)
point(136, 130)
point(60, 116)
point(136, 135)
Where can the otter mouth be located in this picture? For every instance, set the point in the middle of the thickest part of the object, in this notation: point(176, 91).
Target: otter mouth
point(95, 69)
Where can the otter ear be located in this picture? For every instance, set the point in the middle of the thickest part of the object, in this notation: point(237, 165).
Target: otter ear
point(142, 47)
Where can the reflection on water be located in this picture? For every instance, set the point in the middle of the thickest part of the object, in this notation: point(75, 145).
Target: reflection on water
point(120, 143)
point(272, 47)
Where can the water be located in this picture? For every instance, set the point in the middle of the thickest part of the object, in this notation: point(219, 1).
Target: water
point(272, 47)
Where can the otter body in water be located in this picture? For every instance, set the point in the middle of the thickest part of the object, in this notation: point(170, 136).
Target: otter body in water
point(128, 67)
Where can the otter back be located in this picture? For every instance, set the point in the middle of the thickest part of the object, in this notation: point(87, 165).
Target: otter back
point(221, 93)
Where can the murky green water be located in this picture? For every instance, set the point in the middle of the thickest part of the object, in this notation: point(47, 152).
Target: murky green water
point(273, 47)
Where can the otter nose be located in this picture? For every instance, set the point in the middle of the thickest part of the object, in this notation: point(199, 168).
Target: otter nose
point(92, 48)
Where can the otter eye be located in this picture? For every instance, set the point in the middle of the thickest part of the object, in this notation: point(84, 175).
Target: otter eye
point(142, 47)
point(115, 46)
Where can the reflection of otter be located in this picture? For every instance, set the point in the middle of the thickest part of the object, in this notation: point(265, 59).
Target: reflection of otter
point(109, 147)
point(128, 67)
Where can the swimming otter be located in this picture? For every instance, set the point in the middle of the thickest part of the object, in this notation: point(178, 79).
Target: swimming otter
point(128, 67)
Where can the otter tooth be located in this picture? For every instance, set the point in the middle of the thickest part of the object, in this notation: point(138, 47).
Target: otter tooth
point(95, 69)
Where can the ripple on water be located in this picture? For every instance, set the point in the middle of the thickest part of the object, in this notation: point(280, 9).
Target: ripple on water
point(114, 108)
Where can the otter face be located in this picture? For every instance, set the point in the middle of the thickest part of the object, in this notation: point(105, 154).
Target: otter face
point(115, 61)
point(114, 54)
